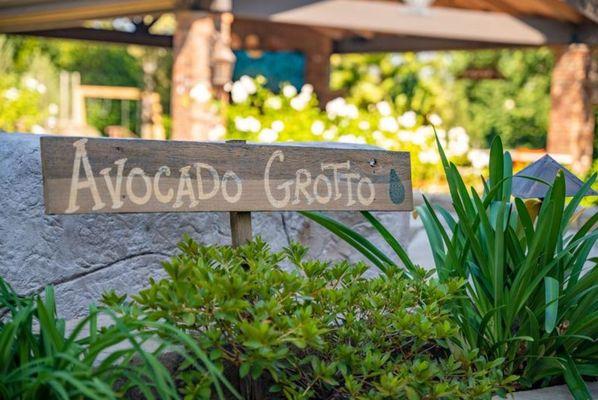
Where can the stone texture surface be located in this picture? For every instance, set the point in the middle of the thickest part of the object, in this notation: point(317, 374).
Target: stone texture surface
point(552, 393)
point(85, 255)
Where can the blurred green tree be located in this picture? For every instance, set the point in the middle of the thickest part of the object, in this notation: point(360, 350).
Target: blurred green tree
point(103, 64)
point(515, 106)
point(27, 89)
point(98, 63)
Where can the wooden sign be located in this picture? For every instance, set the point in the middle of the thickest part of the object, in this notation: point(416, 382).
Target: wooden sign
point(85, 175)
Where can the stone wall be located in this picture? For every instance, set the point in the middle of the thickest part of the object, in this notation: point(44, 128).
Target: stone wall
point(85, 255)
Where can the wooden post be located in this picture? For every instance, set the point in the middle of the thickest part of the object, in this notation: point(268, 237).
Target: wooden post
point(240, 234)
point(78, 101)
point(240, 221)
point(240, 227)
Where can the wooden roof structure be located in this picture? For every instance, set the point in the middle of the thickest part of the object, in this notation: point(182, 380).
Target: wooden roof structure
point(353, 25)
point(572, 11)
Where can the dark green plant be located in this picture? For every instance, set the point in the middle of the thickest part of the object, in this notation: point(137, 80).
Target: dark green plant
point(532, 290)
point(318, 330)
point(39, 359)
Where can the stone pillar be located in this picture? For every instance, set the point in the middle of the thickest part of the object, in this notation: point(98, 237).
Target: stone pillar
point(194, 113)
point(571, 125)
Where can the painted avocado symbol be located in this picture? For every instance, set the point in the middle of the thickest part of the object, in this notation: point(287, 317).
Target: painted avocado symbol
point(396, 190)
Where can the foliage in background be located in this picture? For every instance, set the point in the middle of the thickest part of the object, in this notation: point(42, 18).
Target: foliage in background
point(409, 81)
point(321, 330)
point(528, 297)
point(258, 114)
point(41, 359)
point(103, 64)
point(515, 106)
point(25, 89)
point(98, 64)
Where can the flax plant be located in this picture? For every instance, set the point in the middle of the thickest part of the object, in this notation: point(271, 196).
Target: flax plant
point(532, 289)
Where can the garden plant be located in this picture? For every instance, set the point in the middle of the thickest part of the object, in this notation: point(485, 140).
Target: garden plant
point(41, 359)
point(292, 328)
point(531, 291)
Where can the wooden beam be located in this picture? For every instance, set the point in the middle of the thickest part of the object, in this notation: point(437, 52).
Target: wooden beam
point(349, 44)
point(28, 15)
point(553, 9)
point(279, 37)
point(586, 33)
point(383, 43)
point(376, 17)
point(352, 15)
point(392, 27)
point(556, 9)
point(588, 8)
point(105, 35)
point(272, 36)
point(111, 92)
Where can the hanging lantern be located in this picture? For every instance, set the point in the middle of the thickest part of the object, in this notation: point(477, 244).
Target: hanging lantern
point(222, 65)
point(223, 58)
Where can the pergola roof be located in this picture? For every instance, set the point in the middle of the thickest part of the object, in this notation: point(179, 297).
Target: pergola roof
point(355, 25)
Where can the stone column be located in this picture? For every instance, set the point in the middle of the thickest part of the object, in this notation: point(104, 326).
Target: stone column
point(194, 113)
point(571, 125)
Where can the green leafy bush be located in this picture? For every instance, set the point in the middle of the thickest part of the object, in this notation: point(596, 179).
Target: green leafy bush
point(527, 299)
point(318, 331)
point(39, 359)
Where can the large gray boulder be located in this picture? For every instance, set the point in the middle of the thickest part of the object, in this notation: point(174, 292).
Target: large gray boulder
point(85, 255)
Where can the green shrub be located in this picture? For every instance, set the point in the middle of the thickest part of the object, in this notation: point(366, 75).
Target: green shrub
point(319, 330)
point(527, 299)
point(39, 359)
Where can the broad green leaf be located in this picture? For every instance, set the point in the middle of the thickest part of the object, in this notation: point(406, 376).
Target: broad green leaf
point(496, 166)
point(390, 239)
point(552, 305)
point(574, 381)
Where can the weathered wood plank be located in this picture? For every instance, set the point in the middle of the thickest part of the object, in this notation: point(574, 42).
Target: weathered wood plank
point(85, 175)
point(240, 227)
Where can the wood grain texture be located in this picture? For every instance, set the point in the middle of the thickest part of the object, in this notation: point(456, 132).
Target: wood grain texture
point(240, 227)
point(240, 221)
point(90, 175)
